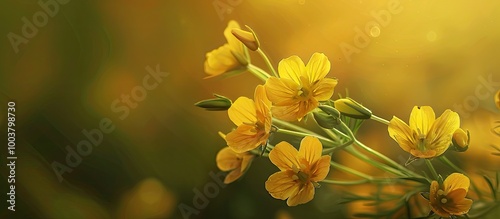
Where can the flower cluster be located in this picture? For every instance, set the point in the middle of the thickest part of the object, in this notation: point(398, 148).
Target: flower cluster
point(297, 90)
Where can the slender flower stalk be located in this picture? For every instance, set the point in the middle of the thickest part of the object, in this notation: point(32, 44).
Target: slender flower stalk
point(267, 61)
point(350, 170)
point(377, 154)
point(432, 169)
point(289, 125)
point(379, 119)
point(301, 134)
point(258, 72)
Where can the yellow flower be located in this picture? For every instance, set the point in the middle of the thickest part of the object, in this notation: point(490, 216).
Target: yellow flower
point(237, 163)
point(300, 86)
point(497, 99)
point(230, 56)
point(449, 199)
point(253, 118)
point(300, 171)
point(426, 137)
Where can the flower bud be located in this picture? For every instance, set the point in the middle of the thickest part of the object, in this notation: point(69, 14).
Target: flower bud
point(461, 140)
point(497, 99)
point(220, 103)
point(350, 108)
point(330, 111)
point(327, 117)
point(324, 120)
point(248, 38)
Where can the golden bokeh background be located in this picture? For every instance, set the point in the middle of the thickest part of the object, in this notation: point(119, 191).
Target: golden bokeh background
point(73, 72)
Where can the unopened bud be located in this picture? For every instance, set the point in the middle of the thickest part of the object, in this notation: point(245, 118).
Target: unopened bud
point(249, 39)
point(330, 110)
point(350, 108)
point(220, 103)
point(325, 120)
point(461, 140)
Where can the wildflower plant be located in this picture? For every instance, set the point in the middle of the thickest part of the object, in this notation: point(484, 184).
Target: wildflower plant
point(297, 91)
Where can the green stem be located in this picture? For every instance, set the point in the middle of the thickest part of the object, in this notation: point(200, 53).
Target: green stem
point(351, 171)
point(394, 164)
point(361, 181)
point(332, 134)
point(332, 149)
point(431, 168)
point(258, 72)
point(446, 161)
point(301, 134)
point(294, 127)
point(372, 162)
point(378, 119)
point(345, 183)
point(268, 63)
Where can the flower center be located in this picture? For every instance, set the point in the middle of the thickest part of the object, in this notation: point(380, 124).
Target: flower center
point(299, 174)
point(444, 200)
point(303, 93)
point(421, 140)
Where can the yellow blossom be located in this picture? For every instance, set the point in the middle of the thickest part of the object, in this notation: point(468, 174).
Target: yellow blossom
point(230, 56)
point(299, 88)
point(426, 136)
point(300, 171)
point(253, 118)
point(237, 163)
point(449, 199)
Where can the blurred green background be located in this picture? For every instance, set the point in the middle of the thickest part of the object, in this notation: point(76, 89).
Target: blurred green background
point(67, 76)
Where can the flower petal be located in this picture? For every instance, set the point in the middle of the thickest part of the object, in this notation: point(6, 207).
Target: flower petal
point(287, 113)
point(317, 67)
point(233, 42)
point(227, 159)
point(243, 139)
point(262, 103)
point(422, 118)
point(233, 176)
point(401, 133)
point(457, 203)
point(242, 111)
point(456, 181)
point(423, 154)
point(247, 159)
point(281, 91)
point(304, 195)
point(324, 88)
point(292, 68)
point(310, 149)
point(281, 185)
point(320, 169)
point(441, 133)
point(220, 60)
point(284, 156)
